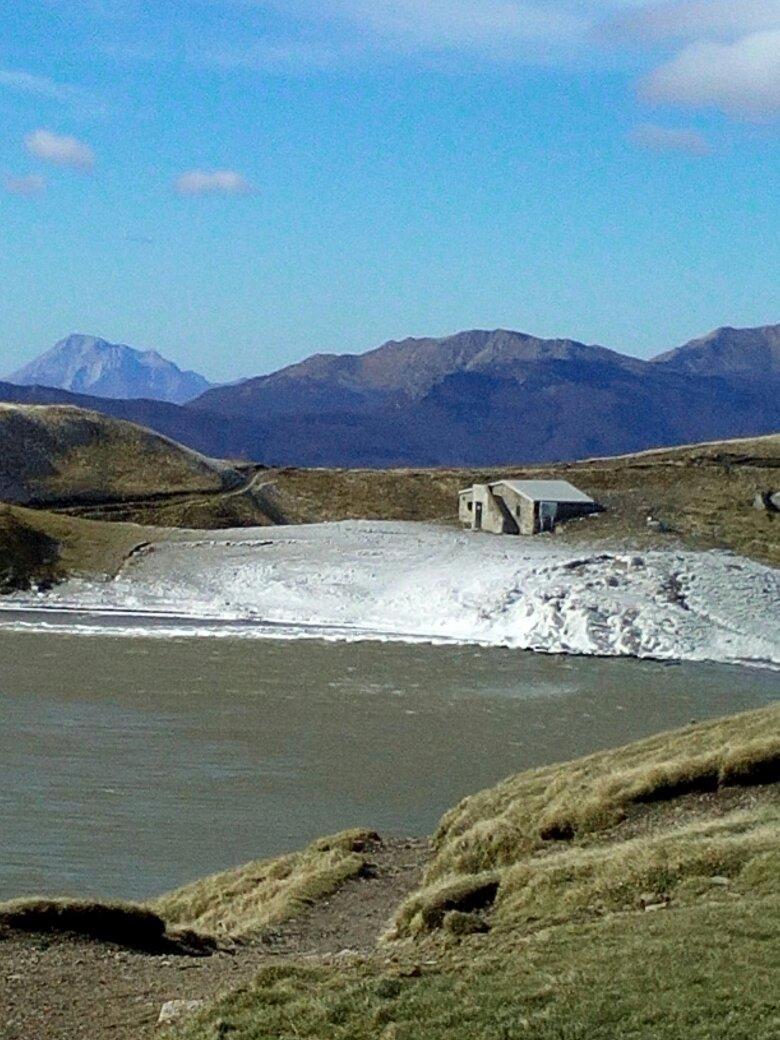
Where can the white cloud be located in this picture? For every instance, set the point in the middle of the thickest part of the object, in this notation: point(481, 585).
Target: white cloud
point(60, 149)
point(212, 182)
point(698, 19)
point(741, 78)
point(669, 139)
point(28, 186)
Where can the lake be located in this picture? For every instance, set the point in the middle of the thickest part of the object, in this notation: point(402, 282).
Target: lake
point(131, 765)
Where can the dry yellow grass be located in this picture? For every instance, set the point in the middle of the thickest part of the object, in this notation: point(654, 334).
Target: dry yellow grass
point(703, 492)
point(240, 903)
point(676, 864)
point(39, 547)
point(537, 826)
point(236, 904)
point(511, 936)
point(55, 452)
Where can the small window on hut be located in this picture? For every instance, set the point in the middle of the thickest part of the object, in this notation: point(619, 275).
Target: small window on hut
point(470, 506)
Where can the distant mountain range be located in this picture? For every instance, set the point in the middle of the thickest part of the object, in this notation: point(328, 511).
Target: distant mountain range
point(477, 397)
point(88, 365)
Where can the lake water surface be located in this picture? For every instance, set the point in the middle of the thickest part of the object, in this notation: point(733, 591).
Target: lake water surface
point(131, 765)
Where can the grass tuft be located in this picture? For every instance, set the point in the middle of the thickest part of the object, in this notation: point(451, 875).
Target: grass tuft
point(757, 762)
point(427, 909)
point(240, 903)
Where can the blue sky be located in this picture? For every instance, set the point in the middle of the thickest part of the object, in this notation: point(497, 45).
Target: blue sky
point(240, 183)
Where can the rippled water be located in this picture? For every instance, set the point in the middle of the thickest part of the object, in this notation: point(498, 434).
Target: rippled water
point(128, 766)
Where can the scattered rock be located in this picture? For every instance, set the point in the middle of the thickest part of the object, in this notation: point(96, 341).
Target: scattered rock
point(173, 1010)
point(653, 901)
point(767, 501)
point(654, 524)
point(719, 881)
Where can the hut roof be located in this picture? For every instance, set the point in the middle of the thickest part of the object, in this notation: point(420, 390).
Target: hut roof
point(546, 490)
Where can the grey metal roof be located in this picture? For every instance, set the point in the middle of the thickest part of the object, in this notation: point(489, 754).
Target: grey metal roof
point(546, 490)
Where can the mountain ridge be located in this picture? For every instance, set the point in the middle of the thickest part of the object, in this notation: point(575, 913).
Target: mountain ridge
point(735, 350)
point(410, 367)
point(476, 398)
point(90, 364)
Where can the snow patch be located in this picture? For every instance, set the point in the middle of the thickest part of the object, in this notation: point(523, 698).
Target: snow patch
point(406, 581)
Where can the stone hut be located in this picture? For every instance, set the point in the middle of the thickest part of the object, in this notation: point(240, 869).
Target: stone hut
point(522, 506)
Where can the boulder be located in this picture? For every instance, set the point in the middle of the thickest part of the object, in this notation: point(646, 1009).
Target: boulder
point(653, 901)
point(172, 1010)
point(767, 501)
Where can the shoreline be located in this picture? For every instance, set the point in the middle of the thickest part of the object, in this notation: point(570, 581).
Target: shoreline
point(170, 626)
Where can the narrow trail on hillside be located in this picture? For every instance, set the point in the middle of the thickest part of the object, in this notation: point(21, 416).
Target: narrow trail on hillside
point(66, 988)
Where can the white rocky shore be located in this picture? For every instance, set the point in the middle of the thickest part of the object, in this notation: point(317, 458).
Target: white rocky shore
point(406, 581)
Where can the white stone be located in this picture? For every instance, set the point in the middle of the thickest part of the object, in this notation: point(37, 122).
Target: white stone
point(175, 1009)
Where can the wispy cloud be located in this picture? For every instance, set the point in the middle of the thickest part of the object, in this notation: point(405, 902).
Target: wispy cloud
point(337, 33)
point(283, 56)
point(28, 186)
point(60, 149)
point(21, 82)
point(706, 53)
point(669, 139)
point(212, 182)
point(461, 23)
point(697, 19)
point(742, 77)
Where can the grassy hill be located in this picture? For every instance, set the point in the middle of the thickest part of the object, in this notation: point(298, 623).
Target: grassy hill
point(703, 492)
point(634, 894)
point(56, 453)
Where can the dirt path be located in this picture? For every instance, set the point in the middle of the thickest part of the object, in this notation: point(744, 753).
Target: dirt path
point(56, 988)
